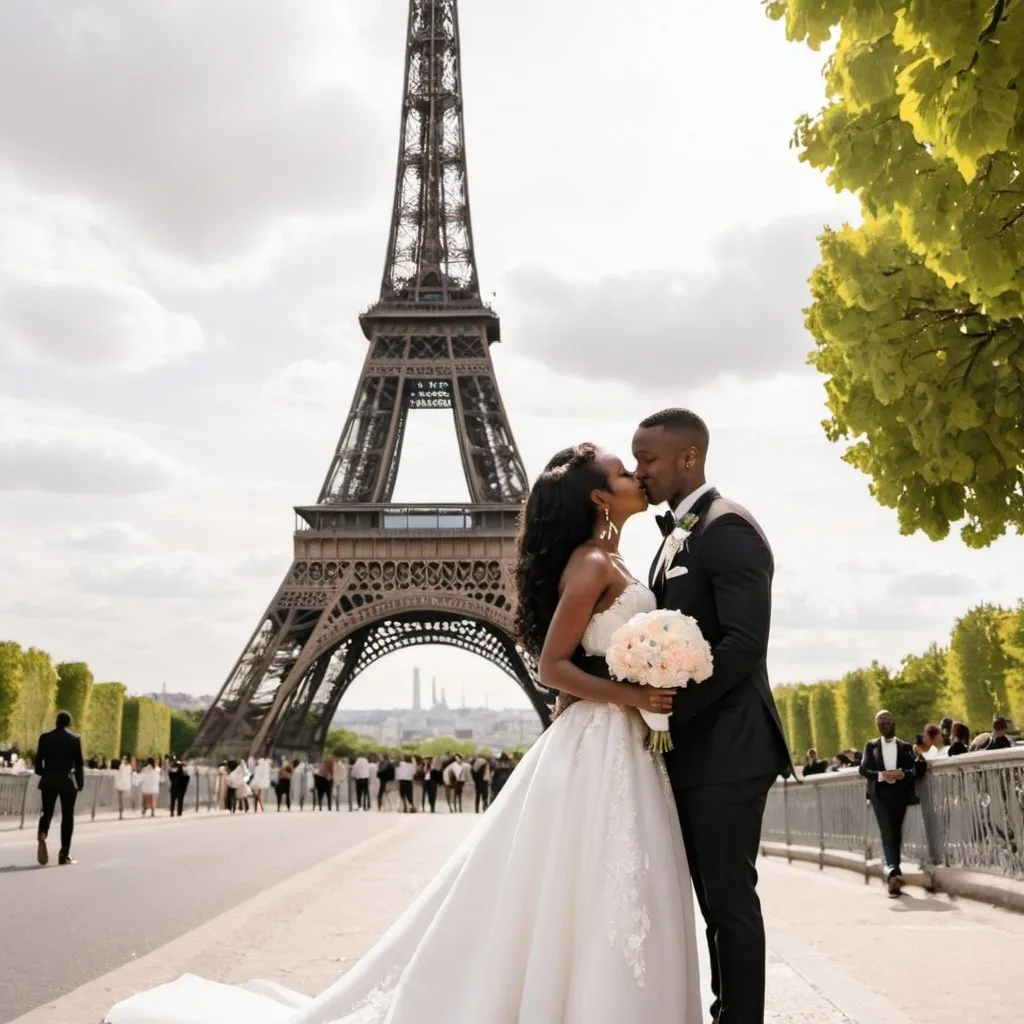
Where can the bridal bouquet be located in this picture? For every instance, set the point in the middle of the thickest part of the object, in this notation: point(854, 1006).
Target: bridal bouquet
point(662, 648)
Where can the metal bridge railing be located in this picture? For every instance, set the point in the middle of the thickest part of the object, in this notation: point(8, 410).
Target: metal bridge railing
point(20, 803)
point(971, 816)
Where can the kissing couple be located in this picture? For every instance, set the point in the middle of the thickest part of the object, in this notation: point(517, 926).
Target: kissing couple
point(572, 901)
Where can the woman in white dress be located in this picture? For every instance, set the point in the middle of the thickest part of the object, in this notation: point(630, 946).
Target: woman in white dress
point(124, 777)
point(260, 783)
point(149, 778)
point(574, 884)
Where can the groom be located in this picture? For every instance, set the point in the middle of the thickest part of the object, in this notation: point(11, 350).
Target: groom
point(715, 565)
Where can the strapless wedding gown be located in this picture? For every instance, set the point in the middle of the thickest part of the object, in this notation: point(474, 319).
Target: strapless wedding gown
point(570, 903)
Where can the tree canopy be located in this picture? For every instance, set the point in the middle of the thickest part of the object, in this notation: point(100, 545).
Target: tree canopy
point(918, 314)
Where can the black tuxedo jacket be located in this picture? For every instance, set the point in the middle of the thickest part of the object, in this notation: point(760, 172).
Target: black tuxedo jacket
point(726, 729)
point(872, 764)
point(58, 757)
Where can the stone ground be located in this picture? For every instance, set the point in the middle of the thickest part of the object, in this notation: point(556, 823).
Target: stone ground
point(299, 898)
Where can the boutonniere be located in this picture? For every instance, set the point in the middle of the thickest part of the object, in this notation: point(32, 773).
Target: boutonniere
point(677, 539)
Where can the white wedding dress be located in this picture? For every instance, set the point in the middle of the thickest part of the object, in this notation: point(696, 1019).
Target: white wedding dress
point(570, 903)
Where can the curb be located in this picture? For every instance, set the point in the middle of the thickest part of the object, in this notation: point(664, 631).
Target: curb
point(1005, 893)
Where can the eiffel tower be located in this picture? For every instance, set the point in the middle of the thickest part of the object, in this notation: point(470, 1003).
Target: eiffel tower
point(370, 577)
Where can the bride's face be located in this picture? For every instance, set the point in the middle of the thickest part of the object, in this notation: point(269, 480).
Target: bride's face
point(624, 496)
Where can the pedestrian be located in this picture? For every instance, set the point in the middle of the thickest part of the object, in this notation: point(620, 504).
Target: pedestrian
point(123, 781)
point(150, 779)
point(61, 770)
point(891, 769)
point(284, 786)
point(178, 779)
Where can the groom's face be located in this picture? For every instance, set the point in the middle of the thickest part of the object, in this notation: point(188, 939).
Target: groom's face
point(660, 464)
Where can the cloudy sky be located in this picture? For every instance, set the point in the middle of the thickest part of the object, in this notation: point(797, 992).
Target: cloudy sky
point(194, 202)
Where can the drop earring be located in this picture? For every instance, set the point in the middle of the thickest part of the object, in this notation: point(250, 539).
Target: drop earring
point(610, 529)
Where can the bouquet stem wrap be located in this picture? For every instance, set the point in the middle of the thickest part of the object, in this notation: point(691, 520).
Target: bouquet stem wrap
point(663, 648)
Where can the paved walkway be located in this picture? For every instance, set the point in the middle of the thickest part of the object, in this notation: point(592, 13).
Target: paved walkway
point(841, 953)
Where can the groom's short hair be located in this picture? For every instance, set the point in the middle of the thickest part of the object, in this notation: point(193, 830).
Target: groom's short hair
point(681, 421)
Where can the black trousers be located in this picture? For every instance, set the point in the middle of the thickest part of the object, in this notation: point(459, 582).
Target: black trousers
point(283, 789)
point(405, 791)
point(363, 794)
point(890, 806)
point(459, 787)
point(430, 792)
point(322, 788)
point(67, 793)
point(722, 832)
point(481, 785)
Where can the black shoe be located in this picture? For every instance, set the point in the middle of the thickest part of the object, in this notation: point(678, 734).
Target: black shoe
point(895, 884)
point(66, 858)
point(42, 854)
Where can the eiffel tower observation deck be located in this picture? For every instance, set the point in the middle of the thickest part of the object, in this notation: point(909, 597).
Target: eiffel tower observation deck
point(370, 577)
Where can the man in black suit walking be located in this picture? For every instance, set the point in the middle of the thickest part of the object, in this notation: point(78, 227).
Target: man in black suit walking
point(61, 772)
point(715, 565)
point(892, 769)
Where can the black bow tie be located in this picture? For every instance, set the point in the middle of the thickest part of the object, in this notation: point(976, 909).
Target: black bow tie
point(666, 523)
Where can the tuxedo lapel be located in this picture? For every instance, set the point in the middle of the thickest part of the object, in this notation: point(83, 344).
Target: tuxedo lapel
point(658, 570)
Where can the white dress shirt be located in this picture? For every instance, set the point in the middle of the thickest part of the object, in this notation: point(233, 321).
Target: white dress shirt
point(890, 755)
point(361, 769)
point(405, 772)
point(677, 513)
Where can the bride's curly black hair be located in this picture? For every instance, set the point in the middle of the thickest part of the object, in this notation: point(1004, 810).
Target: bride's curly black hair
point(558, 517)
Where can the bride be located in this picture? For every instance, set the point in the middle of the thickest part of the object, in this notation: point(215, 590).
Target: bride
point(575, 883)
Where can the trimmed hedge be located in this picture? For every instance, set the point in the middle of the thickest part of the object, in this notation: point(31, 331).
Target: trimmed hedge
point(11, 685)
point(103, 728)
point(74, 687)
point(183, 732)
point(145, 728)
point(799, 734)
point(825, 720)
point(38, 705)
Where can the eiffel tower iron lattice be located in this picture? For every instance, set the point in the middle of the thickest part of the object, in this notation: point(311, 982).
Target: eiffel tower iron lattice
point(369, 577)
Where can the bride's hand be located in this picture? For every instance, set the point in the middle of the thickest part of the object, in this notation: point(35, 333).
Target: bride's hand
point(654, 699)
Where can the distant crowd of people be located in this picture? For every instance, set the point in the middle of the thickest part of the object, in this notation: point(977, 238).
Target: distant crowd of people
point(949, 738)
point(362, 782)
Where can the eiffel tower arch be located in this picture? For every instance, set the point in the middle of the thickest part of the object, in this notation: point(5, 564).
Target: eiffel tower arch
point(370, 577)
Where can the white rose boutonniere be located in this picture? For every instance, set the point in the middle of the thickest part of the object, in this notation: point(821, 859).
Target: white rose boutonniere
point(676, 540)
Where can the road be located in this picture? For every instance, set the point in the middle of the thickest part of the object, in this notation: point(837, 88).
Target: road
point(139, 884)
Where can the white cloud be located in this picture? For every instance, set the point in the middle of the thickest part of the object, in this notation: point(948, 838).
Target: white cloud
point(94, 325)
point(106, 538)
point(209, 127)
point(47, 450)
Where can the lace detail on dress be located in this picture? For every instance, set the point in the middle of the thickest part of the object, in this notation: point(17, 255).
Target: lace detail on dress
point(629, 924)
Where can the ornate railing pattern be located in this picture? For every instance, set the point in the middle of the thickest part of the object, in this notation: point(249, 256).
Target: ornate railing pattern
point(971, 815)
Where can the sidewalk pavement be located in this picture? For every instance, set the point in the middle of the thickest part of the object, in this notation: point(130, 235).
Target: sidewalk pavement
point(840, 953)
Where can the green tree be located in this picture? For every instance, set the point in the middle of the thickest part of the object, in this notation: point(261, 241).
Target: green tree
point(916, 693)
point(825, 719)
point(101, 732)
point(799, 731)
point(145, 728)
point(783, 694)
point(1011, 635)
point(977, 666)
point(184, 726)
point(35, 711)
point(74, 687)
point(918, 315)
point(857, 699)
point(11, 687)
